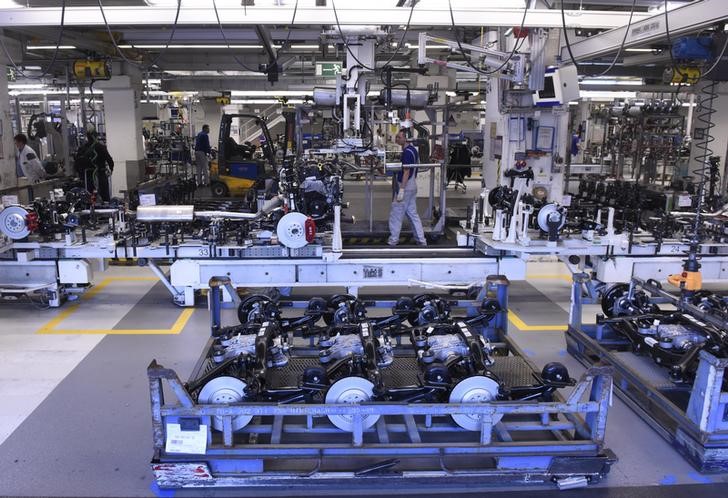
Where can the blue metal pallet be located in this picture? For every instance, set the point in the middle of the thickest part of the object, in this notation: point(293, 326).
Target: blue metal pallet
point(412, 444)
point(693, 418)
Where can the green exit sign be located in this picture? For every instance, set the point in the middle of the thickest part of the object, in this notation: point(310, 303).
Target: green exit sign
point(328, 68)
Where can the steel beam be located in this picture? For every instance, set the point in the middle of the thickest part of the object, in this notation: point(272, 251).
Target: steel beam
point(239, 83)
point(146, 35)
point(265, 39)
point(651, 88)
point(682, 20)
point(349, 13)
point(642, 60)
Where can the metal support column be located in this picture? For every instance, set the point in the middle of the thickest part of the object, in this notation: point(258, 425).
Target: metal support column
point(216, 286)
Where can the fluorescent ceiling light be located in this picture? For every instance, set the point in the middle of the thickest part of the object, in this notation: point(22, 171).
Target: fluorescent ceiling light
point(32, 68)
point(639, 50)
point(14, 86)
point(173, 93)
point(301, 47)
point(51, 47)
point(410, 45)
point(175, 46)
point(218, 46)
point(265, 101)
point(55, 102)
point(607, 96)
point(611, 81)
point(215, 73)
point(415, 45)
point(71, 91)
point(269, 93)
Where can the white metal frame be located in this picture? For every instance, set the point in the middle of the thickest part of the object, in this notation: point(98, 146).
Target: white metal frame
point(374, 12)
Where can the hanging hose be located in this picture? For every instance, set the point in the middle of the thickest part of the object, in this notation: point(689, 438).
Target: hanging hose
point(92, 155)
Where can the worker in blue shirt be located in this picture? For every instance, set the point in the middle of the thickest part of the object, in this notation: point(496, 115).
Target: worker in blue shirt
point(202, 149)
point(405, 194)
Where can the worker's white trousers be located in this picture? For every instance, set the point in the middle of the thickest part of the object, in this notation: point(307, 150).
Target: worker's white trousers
point(203, 170)
point(407, 207)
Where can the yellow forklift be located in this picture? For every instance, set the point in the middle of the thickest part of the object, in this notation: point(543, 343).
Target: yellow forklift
point(236, 172)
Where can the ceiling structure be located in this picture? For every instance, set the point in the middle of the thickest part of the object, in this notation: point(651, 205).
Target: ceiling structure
point(228, 45)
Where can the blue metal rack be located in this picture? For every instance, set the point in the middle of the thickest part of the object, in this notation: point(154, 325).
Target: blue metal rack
point(692, 417)
point(412, 444)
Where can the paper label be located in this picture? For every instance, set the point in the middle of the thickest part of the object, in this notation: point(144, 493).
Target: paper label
point(684, 200)
point(190, 442)
point(10, 200)
point(147, 200)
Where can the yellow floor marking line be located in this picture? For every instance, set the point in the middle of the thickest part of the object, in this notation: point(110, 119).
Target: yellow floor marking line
point(521, 325)
point(50, 327)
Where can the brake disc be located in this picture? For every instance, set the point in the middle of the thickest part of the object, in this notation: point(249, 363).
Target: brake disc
point(476, 389)
point(291, 230)
point(351, 390)
point(12, 222)
point(224, 391)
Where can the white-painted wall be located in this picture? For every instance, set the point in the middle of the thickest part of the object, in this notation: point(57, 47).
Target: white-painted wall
point(8, 177)
point(207, 112)
point(123, 130)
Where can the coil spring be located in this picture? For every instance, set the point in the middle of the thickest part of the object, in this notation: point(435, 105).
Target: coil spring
point(705, 111)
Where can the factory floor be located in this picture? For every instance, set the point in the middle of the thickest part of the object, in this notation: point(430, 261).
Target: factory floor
point(75, 420)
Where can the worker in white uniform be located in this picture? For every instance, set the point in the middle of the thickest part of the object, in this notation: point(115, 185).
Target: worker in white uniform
point(405, 194)
point(27, 163)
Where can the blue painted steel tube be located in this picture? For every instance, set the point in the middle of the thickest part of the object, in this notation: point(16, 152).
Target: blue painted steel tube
point(216, 286)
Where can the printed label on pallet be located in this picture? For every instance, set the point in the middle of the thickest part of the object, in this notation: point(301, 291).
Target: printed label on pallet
point(188, 442)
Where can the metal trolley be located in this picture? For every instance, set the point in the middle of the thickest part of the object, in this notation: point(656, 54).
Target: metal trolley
point(692, 417)
point(412, 444)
